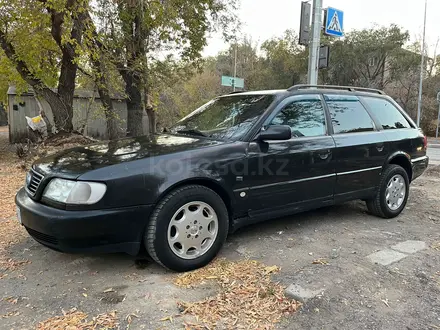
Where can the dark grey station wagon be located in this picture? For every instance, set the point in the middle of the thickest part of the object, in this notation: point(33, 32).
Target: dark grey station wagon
point(237, 160)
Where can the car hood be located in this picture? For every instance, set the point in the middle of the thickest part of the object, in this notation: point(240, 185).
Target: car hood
point(71, 163)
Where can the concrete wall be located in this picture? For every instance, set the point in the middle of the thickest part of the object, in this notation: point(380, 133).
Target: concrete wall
point(25, 104)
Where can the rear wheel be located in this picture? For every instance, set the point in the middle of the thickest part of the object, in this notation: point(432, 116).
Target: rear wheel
point(187, 228)
point(392, 195)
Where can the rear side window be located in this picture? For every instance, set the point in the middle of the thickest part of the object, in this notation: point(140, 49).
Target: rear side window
point(386, 113)
point(304, 115)
point(348, 114)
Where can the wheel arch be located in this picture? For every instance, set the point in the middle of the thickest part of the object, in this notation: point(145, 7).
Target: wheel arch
point(206, 182)
point(403, 160)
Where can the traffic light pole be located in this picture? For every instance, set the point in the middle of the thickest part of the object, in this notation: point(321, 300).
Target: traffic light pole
point(312, 74)
point(422, 70)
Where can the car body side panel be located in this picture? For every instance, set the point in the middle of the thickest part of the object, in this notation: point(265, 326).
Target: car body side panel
point(406, 140)
point(359, 159)
point(289, 172)
point(220, 164)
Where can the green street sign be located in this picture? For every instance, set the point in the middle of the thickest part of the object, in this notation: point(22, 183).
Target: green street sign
point(230, 81)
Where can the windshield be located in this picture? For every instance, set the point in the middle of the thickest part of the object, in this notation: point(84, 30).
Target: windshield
point(224, 118)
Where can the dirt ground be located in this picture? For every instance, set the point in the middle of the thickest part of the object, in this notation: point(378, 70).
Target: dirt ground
point(37, 283)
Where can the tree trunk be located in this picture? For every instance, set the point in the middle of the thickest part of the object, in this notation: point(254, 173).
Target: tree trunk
point(134, 105)
point(151, 120)
point(61, 102)
point(107, 103)
point(60, 111)
point(97, 60)
point(43, 115)
point(3, 116)
point(150, 112)
point(66, 90)
point(104, 95)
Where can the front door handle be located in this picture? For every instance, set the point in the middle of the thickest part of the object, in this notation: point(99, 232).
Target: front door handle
point(325, 155)
point(379, 147)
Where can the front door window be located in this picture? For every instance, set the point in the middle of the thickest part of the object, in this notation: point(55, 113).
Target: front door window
point(304, 115)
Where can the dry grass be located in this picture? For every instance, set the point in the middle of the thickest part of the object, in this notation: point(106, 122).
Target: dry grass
point(12, 177)
point(76, 320)
point(248, 299)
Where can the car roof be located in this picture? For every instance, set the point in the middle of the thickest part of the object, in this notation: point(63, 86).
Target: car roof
point(306, 89)
point(260, 92)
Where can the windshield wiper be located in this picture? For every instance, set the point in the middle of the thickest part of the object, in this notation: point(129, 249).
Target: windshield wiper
point(192, 132)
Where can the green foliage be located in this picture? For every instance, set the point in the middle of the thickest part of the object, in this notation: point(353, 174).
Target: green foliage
point(377, 57)
point(278, 63)
point(361, 57)
point(28, 28)
point(286, 58)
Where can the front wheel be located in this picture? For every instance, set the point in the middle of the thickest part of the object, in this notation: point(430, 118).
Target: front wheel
point(392, 195)
point(187, 228)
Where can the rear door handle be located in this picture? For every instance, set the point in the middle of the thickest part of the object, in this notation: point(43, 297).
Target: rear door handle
point(325, 155)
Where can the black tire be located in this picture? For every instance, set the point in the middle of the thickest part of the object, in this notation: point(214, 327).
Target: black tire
point(156, 240)
point(378, 205)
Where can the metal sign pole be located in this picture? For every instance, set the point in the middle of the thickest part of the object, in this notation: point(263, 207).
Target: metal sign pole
point(422, 69)
point(438, 119)
point(235, 66)
point(438, 114)
point(312, 75)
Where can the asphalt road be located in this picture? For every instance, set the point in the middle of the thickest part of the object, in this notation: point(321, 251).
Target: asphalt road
point(434, 153)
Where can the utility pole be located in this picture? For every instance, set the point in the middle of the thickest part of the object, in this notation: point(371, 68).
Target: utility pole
point(235, 66)
point(312, 74)
point(422, 69)
point(438, 115)
point(438, 119)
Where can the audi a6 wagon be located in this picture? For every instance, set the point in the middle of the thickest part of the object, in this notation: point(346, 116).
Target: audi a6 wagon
point(239, 159)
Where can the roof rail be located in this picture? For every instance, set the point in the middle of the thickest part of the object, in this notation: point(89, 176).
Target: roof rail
point(347, 88)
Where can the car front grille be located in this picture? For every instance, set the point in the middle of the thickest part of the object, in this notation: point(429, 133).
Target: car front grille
point(34, 182)
point(42, 237)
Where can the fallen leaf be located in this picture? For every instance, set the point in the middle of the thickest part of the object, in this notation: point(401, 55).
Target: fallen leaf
point(77, 320)
point(109, 290)
point(271, 269)
point(21, 276)
point(14, 313)
point(128, 318)
point(320, 261)
point(85, 295)
point(167, 318)
point(248, 299)
point(436, 246)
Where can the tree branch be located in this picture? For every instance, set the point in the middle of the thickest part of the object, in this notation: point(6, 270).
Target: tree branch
point(84, 72)
point(57, 19)
point(99, 45)
point(20, 65)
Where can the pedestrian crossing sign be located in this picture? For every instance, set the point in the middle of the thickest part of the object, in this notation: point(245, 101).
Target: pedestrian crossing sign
point(334, 22)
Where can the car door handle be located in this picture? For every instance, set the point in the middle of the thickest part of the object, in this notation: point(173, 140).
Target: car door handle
point(324, 155)
point(379, 147)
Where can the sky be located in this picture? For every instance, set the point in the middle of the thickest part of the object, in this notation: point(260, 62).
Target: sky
point(263, 19)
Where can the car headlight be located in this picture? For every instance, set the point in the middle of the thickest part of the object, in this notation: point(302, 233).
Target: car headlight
point(74, 192)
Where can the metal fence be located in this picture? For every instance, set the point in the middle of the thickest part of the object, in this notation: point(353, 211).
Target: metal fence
point(88, 114)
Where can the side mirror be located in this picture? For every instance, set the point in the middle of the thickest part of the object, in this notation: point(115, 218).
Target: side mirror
point(275, 132)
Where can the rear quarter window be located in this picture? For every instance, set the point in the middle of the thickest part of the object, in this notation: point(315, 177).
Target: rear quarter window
point(386, 113)
point(348, 115)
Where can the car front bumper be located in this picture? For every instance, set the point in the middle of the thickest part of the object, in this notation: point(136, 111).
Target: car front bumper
point(102, 231)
